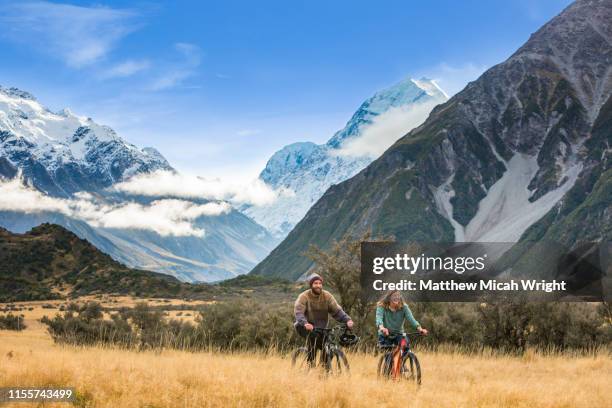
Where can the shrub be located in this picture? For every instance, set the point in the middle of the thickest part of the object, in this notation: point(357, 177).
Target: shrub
point(12, 322)
point(509, 327)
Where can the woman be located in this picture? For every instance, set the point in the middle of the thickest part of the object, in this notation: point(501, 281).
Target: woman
point(391, 312)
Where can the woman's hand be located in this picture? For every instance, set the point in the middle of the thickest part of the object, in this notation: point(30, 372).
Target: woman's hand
point(384, 330)
point(422, 331)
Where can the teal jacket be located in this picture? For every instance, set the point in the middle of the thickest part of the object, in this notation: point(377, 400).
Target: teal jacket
point(394, 321)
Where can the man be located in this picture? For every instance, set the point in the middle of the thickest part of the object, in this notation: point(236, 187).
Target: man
point(312, 309)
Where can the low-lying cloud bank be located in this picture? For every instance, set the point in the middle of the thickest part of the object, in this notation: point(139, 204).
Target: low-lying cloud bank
point(167, 183)
point(165, 216)
point(386, 129)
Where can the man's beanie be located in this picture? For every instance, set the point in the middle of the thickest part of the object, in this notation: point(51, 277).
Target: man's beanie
point(314, 277)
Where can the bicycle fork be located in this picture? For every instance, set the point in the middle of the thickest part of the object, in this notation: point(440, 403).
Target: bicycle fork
point(397, 359)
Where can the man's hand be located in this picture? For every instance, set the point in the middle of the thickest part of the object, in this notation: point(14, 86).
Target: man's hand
point(308, 326)
point(384, 330)
point(422, 331)
point(349, 324)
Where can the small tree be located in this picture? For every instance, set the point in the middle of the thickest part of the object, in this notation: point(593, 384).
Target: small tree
point(341, 268)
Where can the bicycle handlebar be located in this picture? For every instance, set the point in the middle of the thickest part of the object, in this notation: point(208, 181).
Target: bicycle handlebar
point(329, 329)
point(321, 330)
point(393, 333)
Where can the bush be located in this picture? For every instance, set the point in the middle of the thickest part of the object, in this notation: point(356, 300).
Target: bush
point(88, 327)
point(141, 327)
point(509, 327)
point(12, 322)
point(248, 325)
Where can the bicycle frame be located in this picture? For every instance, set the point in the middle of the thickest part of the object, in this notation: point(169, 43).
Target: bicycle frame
point(393, 360)
point(329, 338)
point(328, 342)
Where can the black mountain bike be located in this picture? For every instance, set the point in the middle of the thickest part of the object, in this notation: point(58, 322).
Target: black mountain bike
point(409, 367)
point(331, 357)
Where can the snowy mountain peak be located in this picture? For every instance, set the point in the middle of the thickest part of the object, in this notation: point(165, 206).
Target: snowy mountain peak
point(155, 154)
point(406, 92)
point(402, 93)
point(430, 87)
point(62, 153)
point(289, 158)
point(16, 92)
point(308, 169)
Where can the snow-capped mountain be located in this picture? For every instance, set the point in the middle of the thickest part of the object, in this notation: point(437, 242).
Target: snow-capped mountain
point(520, 155)
point(64, 155)
point(61, 153)
point(304, 170)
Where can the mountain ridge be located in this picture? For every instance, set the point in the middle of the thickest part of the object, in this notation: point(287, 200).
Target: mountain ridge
point(50, 262)
point(62, 153)
point(431, 184)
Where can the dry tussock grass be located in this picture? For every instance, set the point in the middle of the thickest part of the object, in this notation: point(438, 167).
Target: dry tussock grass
point(105, 377)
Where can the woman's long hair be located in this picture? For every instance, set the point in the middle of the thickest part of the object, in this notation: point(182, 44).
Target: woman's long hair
point(385, 301)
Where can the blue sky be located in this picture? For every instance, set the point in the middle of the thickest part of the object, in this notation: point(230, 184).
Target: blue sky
point(218, 86)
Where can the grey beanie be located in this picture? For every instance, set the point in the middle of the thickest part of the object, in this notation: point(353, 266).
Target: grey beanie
point(313, 278)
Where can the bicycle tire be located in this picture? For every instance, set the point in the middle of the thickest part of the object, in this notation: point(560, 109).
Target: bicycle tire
point(384, 366)
point(337, 362)
point(412, 371)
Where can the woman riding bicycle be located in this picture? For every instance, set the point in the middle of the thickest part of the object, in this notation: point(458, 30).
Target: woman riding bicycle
point(391, 312)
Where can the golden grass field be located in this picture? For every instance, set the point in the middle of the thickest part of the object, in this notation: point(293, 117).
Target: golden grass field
point(105, 377)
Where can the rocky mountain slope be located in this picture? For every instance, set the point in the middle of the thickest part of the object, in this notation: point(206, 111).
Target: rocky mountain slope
point(521, 154)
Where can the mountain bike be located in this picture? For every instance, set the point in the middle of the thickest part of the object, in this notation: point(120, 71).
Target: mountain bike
point(331, 357)
point(394, 364)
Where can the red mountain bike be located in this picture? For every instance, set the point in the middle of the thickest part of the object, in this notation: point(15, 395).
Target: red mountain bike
point(399, 361)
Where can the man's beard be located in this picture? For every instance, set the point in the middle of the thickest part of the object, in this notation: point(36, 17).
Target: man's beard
point(316, 291)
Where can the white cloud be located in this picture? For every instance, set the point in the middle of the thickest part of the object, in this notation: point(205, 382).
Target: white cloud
point(126, 69)
point(15, 196)
point(176, 72)
point(166, 183)
point(386, 129)
point(165, 216)
point(79, 35)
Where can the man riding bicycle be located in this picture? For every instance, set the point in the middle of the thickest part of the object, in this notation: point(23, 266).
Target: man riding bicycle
point(391, 312)
point(312, 309)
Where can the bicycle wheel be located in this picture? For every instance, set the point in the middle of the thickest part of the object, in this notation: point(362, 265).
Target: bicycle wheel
point(337, 363)
point(411, 369)
point(384, 365)
point(299, 359)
